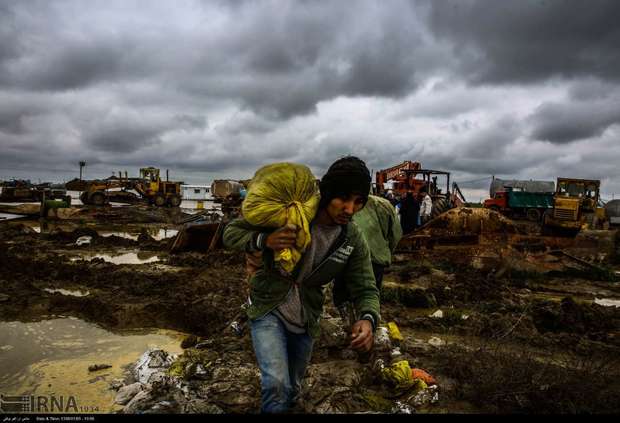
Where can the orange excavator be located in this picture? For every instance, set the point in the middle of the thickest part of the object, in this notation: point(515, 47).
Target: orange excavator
point(410, 177)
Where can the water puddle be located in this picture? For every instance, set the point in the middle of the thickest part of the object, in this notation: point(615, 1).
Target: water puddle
point(156, 234)
point(51, 358)
point(607, 302)
point(9, 216)
point(67, 292)
point(126, 258)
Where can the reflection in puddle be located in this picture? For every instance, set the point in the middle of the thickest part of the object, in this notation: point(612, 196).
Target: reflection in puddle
point(127, 258)
point(51, 357)
point(607, 302)
point(125, 235)
point(67, 292)
point(157, 234)
point(9, 216)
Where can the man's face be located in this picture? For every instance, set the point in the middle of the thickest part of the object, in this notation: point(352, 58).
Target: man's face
point(341, 210)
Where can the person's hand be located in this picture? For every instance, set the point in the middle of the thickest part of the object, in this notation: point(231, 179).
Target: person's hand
point(282, 238)
point(361, 336)
point(253, 262)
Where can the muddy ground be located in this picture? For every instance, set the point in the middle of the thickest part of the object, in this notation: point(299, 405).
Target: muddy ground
point(509, 339)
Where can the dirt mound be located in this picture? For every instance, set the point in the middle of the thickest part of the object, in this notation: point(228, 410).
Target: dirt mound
point(471, 220)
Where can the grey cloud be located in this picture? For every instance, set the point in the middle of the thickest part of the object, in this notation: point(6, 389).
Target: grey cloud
point(526, 41)
point(246, 123)
point(567, 122)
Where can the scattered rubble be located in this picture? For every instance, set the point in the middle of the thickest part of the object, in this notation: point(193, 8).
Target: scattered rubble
point(444, 309)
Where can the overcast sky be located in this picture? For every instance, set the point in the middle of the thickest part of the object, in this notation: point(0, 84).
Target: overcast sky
point(215, 89)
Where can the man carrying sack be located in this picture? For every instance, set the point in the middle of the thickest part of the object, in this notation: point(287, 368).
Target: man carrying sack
point(286, 293)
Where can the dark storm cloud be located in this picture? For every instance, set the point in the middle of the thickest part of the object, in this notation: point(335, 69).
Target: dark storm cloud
point(530, 40)
point(567, 122)
point(474, 87)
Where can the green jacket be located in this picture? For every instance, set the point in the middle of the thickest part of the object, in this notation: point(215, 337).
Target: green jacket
point(380, 226)
point(348, 258)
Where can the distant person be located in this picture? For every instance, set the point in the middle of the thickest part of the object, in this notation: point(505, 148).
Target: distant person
point(409, 211)
point(426, 206)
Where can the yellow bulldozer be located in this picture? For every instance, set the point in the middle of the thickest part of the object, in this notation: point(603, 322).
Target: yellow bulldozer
point(157, 191)
point(149, 186)
point(576, 207)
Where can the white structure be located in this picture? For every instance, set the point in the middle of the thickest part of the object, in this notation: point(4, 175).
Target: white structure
point(196, 192)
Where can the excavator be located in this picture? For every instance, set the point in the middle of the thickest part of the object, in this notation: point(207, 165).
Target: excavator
point(149, 186)
point(410, 177)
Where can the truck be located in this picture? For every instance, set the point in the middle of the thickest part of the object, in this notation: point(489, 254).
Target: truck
point(520, 204)
point(528, 185)
point(576, 206)
point(19, 190)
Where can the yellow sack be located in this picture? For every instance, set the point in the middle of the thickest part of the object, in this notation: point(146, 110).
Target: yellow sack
point(398, 374)
point(283, 194)
point(394, 332)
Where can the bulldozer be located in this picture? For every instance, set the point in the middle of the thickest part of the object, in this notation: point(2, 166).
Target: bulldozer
point(160, 193)
point(576, 207)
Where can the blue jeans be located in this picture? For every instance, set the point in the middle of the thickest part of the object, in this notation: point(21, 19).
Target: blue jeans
point(282, 358)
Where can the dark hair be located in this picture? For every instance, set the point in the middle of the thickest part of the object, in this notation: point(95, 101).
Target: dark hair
point(347, 175)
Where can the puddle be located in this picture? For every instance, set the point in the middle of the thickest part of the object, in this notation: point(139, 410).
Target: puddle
point(51, 358)
point(607, 302)
point(157, 234)
point(67, 292)
point(126, 258)
point(9, 216)
point(125, 235)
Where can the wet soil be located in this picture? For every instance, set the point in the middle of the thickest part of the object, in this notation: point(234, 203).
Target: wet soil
point(505, 340)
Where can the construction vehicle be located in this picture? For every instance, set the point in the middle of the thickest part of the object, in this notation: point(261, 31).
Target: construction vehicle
point(410, 177)
point(527, 185)
point(576, 206)
point(516, 204)
point(148, 186)
point(25, 191)
point(229, 194)
point(613, 212)
point(101, 191)
point(155, 190)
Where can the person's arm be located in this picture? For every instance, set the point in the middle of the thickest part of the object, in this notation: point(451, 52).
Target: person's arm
point(362, 289)
point(239, 235)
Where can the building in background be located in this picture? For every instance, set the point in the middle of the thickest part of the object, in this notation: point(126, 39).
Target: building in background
point(196, 192)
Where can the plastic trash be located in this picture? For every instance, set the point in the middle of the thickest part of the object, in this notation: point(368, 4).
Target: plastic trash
point(399, 376)
point(423, 375)
point(394, 332)
point(382, 338)
point(437, 315)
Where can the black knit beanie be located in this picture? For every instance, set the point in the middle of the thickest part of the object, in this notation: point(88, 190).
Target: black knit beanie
point(348, 175)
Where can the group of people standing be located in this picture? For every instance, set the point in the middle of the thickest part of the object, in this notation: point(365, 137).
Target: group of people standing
point(414, 209)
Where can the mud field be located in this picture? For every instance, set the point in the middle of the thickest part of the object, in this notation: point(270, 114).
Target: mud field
point(502, 324)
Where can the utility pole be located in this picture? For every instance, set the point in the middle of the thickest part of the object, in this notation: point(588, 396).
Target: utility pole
point(82, 164)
